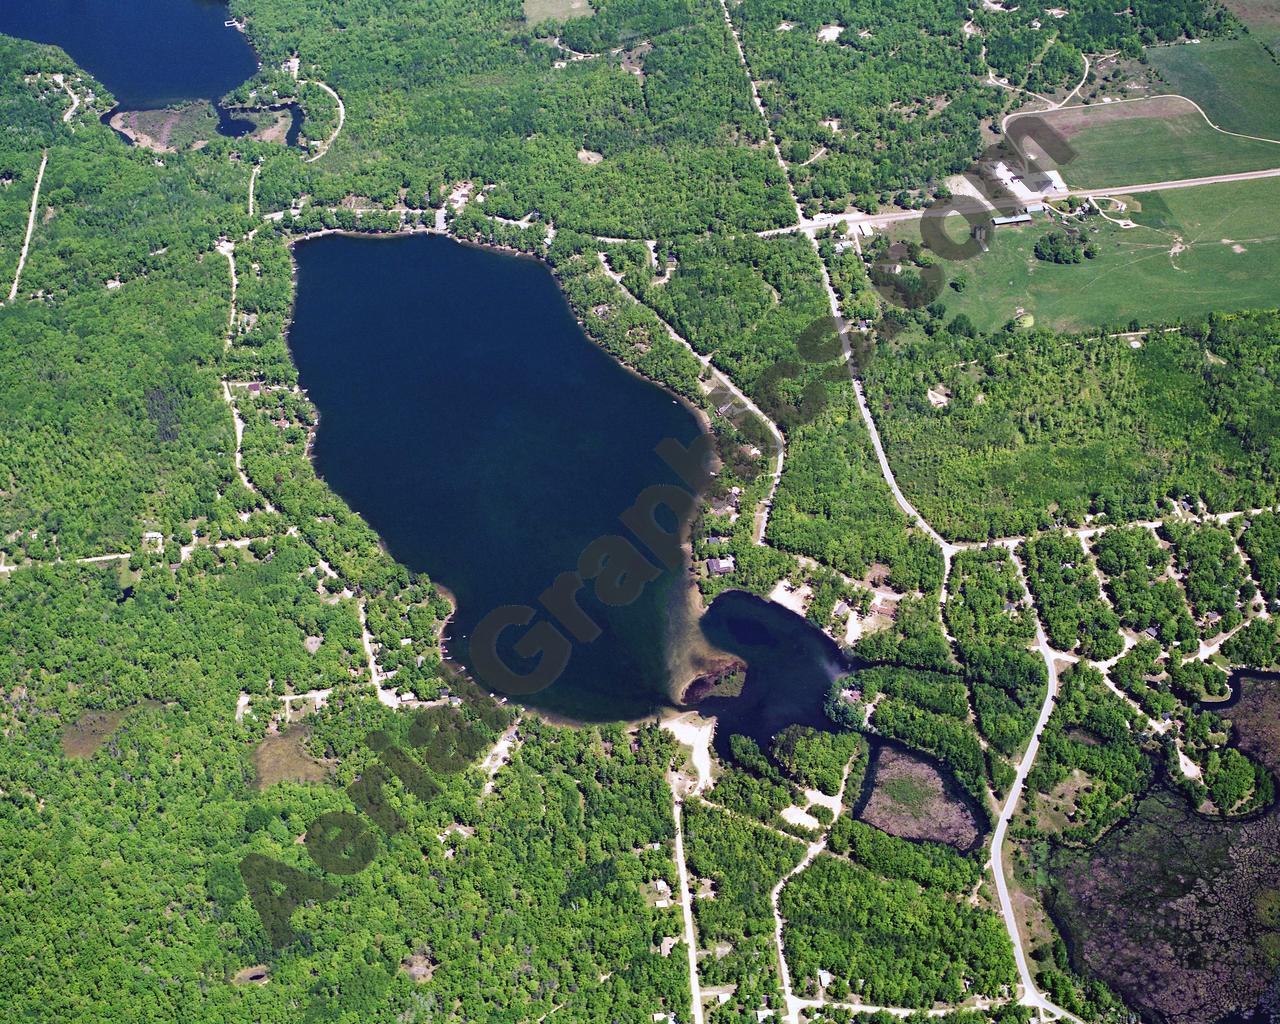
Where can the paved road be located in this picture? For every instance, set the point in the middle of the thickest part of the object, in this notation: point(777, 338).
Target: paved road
point(1161, 186)
point(815, 225)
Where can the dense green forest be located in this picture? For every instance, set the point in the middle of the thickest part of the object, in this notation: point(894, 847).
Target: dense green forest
point(909, 76)
point(494, 100)
point(136, 790)
point(124, 858)
point(1063, 579)
point(992, 625)
point(1143, 594)
point(743, 861)
point(1041, 427)
point(150, 748)
point(889, 939)
point(909, 79)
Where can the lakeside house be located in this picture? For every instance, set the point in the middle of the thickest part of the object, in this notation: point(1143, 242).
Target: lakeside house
point(886, 608)
point(720, 566)
point(728, 505)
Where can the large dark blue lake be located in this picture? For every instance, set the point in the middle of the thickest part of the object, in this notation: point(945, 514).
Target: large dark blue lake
point(466, 416)
point(149, 53)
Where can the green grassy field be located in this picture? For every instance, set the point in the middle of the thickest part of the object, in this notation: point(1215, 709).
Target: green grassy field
point(1235, 80)
point(557, 10)
point(1151, 140)
point(1134, 275)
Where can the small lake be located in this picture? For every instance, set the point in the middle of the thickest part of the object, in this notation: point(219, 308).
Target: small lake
point(149, 53)
point(467, 417)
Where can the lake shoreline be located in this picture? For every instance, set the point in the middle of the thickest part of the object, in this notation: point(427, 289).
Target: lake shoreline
point(678, 611)
point(697, 654)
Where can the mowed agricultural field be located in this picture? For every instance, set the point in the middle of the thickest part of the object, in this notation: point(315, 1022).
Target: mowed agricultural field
point(1235, 81)
point(556, 10)
point(1262, 17)
point(1144, 141)
point(1229, 259)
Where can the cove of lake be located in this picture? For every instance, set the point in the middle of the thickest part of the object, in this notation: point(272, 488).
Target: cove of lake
point(467, 417)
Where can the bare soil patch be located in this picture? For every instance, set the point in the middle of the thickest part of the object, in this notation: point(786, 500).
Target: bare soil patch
point(83, 737)
point(1259, 14)
point(556, 10)
point(278, 130)
point(1056, 810)
point(419, 966)
point(258, 974)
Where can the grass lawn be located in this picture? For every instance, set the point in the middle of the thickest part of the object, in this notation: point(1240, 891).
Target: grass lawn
point(1134, 275)
point(1235, 80)
point(557, 10)
point(1151, 140)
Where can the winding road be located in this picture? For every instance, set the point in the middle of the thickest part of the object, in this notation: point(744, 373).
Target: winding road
point(1136, 99)
point(1031, 996)
point(323, 148)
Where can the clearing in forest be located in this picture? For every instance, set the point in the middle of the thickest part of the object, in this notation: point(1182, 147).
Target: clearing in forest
point(1226, 258)
point(1159, 139)
point(556, 10)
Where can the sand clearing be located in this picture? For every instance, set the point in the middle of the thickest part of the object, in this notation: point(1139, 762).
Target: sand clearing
point(692, 730)
point(790, 596)
point(795, 816)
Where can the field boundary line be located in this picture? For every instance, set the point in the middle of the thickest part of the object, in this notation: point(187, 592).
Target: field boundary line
point(1144, 99)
